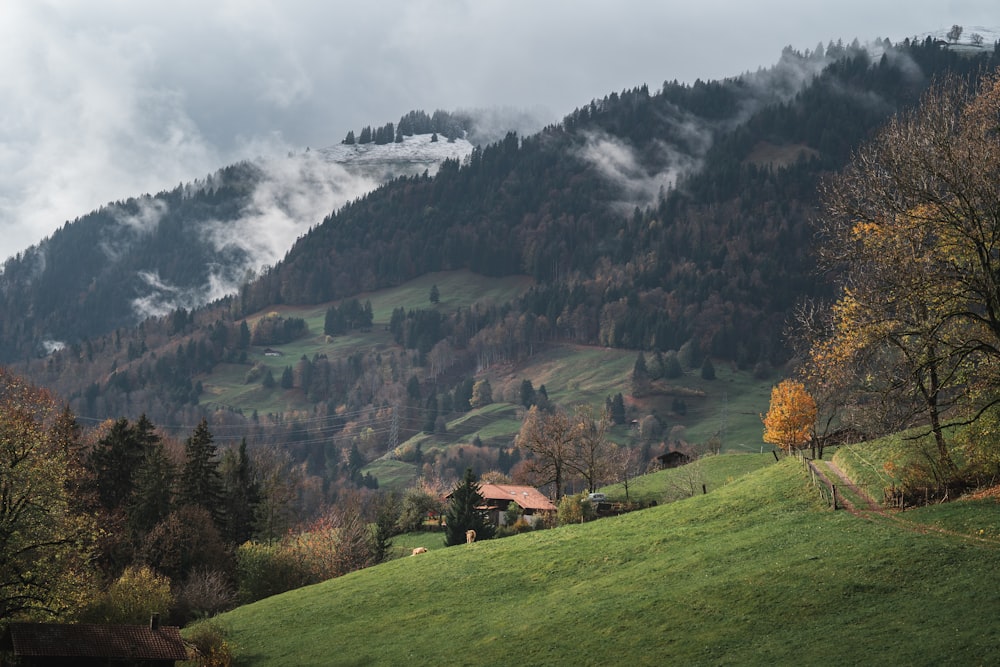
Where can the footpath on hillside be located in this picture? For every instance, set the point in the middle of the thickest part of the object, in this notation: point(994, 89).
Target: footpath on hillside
point(857, 501)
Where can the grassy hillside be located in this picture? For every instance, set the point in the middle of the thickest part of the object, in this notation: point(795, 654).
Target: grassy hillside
point(756, 572)
point(226, 386)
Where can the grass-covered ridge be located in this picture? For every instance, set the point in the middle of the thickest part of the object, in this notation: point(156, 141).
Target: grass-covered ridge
point(756, 572)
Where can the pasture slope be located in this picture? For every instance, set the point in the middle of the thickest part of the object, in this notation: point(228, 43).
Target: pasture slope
point(757, 572)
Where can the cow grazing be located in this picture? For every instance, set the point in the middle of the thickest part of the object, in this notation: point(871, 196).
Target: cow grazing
point(419, 550)
point(470, 536)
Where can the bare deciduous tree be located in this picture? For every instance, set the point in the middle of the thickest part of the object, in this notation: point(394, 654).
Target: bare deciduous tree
point(913, 224)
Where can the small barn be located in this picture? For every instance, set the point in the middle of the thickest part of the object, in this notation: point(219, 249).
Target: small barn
point(498, 497)
point(92, 645)
point(673, 459)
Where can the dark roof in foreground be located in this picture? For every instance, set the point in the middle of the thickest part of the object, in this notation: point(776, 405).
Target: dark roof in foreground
point(85, 640)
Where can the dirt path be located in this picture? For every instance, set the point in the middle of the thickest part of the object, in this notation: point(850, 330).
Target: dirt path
point(844, 480)
point(873, 511)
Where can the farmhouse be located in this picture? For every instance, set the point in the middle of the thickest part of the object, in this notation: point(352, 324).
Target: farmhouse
point(92, 645)
point(498, 497)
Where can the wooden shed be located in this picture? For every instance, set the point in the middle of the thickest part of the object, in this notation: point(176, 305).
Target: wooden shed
point(92, 645)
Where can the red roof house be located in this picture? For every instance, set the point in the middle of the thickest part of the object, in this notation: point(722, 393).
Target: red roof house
point(498, 498)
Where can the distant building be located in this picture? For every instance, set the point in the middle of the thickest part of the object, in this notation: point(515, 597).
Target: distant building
point(498, 497)
point(673, 459)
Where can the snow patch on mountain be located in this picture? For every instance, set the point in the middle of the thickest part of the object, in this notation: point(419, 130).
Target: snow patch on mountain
point(414, 155)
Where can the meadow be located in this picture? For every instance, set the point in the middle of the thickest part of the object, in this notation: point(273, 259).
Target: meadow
point(756, 572)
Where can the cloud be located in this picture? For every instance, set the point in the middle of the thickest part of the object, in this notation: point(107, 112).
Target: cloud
point(295, 193)
point(619, 164)
point(111, 99)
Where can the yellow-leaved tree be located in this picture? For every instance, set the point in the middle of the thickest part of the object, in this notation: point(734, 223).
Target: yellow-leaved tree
point(791, 418)
point(46, 564)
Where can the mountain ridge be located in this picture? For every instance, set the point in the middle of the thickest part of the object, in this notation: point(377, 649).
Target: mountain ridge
point(711, 258)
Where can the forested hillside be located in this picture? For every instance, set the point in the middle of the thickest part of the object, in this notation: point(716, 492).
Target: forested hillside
point(647, 219)
point(667, 220)
point(193, 244)
point(86, 279)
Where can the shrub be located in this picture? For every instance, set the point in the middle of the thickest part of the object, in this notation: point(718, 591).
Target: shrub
point(132, 598)
point(575, 509)
point(268, 569)
point(205, 593)
point(416, 505)
point(213, 649)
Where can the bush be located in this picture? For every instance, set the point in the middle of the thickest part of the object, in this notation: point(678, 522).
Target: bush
point(416, 505)
point(575, 509)
point(205, 593)
point(213, 649)
point(132, 598)
point(264, 570)
point(516, 528)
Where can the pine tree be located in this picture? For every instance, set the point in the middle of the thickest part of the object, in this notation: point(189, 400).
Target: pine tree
point(527, 393)
point(113, 464)
point(242, 494)
point(244, 335)
point(618, 409)
point(672, 367)
point(640, 376)
point(152, 500)
point(355, 461)
point(462, 514)
point(201, 482)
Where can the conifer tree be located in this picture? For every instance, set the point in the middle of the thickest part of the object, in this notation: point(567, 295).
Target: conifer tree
point(462, 514)
point(113, 464)
point(152, 500)
point(618, 409)
point(201, 481)
point(640, 376)
point(527, 393)
point(242, 494)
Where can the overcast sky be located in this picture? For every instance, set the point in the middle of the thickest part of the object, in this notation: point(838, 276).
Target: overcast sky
point(104, 99)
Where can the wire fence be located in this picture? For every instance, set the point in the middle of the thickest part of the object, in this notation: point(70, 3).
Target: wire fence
point(826, 488)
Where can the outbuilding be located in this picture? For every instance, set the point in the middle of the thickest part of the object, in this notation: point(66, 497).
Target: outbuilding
point(92, 645)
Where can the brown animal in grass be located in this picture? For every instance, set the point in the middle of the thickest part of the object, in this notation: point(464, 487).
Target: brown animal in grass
point(419, 550)
point(470, 536)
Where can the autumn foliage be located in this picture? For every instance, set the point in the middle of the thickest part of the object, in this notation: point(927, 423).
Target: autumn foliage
point(791, 419)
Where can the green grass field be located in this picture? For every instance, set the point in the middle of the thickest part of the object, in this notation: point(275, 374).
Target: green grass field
point(713, 472)
point(756, 572)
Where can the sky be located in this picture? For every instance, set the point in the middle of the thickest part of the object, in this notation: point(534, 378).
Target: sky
point(101, 100)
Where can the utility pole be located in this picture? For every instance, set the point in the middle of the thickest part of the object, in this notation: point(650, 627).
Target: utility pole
point(725, 420)
point(393, 433)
